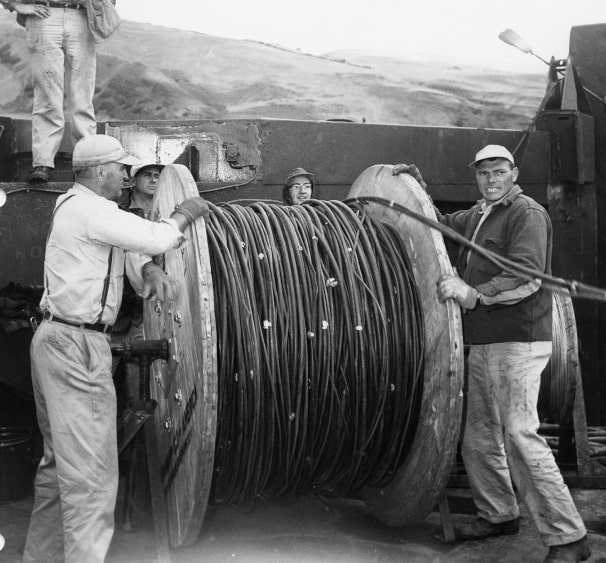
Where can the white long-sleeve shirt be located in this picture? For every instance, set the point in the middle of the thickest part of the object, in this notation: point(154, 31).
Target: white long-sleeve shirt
point(84, 230)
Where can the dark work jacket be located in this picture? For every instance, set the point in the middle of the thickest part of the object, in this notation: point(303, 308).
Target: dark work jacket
point(520, 229)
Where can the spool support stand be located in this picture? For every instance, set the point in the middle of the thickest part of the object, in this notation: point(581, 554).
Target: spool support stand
point(448, 531)
point(137, 413)
point(574, 446)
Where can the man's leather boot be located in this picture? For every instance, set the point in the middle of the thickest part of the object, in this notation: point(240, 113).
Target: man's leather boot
point(482, 529)
point(569, 552)
point(40, 175)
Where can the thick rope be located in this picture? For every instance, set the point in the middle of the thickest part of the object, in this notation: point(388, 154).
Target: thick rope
point(575, 288)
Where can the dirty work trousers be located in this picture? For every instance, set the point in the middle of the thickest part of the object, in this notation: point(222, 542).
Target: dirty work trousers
point(501, 443)
point(77, 479)
point(62, 52)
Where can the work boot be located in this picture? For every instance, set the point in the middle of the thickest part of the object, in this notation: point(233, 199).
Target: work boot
point(574, 552)
point(40, 174)
point(482, 529)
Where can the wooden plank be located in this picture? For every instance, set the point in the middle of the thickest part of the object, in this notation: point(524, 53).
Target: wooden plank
point(448, 531)
point(422, 477)
point(185, 386)
point(158, 500)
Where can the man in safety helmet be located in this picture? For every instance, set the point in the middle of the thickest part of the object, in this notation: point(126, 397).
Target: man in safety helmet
point(298, 187)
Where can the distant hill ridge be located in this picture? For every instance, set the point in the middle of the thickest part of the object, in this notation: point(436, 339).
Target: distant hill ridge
point(152, 72)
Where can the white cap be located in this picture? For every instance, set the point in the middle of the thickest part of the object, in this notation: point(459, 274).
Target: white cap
point(492, 151)
point(93, 150)
point(135, 169)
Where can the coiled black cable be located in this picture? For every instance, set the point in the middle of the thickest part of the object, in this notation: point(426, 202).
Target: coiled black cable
point(320, 349)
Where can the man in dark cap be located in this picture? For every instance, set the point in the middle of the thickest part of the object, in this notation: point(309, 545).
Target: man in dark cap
point(298, 187)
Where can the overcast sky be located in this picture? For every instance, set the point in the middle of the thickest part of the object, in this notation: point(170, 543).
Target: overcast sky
point(462, 28)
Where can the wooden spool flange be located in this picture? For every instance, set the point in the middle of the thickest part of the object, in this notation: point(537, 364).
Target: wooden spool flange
point(185, 386)
point(421, 479)
point(559, 379)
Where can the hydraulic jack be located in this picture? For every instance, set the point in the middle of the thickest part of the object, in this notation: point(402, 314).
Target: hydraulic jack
point(138, 411)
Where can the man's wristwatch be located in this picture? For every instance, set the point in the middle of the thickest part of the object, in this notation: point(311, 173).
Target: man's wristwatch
point(480, 299)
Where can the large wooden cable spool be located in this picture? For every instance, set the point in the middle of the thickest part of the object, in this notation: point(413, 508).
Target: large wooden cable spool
point(423, 476)
point(185, 386)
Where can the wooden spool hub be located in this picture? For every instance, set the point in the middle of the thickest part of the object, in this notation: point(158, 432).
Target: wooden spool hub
point(185, 386)
point(421, 479)
point(559, 379)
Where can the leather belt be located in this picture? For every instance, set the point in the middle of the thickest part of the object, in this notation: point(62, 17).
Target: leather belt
point(72, 5)
point(98, 327)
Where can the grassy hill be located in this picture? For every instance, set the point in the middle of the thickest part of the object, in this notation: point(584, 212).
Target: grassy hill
point(153, 72)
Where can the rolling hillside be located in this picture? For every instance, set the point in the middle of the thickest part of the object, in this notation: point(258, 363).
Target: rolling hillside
point(152, 72)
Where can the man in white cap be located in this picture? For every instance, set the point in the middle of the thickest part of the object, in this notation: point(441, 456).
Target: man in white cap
point(508, 324)
point(91, 244)
point(129, 322)
point(145, 176)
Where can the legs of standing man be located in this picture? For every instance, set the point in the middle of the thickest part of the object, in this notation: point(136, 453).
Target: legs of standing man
point(60, 45)
point(81, 67)
point(501, 436)
point(77, 479)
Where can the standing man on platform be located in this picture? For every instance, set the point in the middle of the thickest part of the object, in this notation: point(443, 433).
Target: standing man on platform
point(508, 323)
point(63, 52)
point(91, 244)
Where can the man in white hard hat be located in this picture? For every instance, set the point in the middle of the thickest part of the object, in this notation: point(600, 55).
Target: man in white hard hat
point(145, 177)
point(129, 322)
point(91, 244)
point(508, 324)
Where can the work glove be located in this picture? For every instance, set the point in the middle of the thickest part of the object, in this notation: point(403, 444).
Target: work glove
point(409, 169)
point(191, 209)
point(453, 287)
point(157, 284)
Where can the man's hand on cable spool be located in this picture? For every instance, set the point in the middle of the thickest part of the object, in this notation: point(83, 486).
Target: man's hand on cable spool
point(453, 287)
point(157, 284)
point(188, 211)
point(409, 169)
